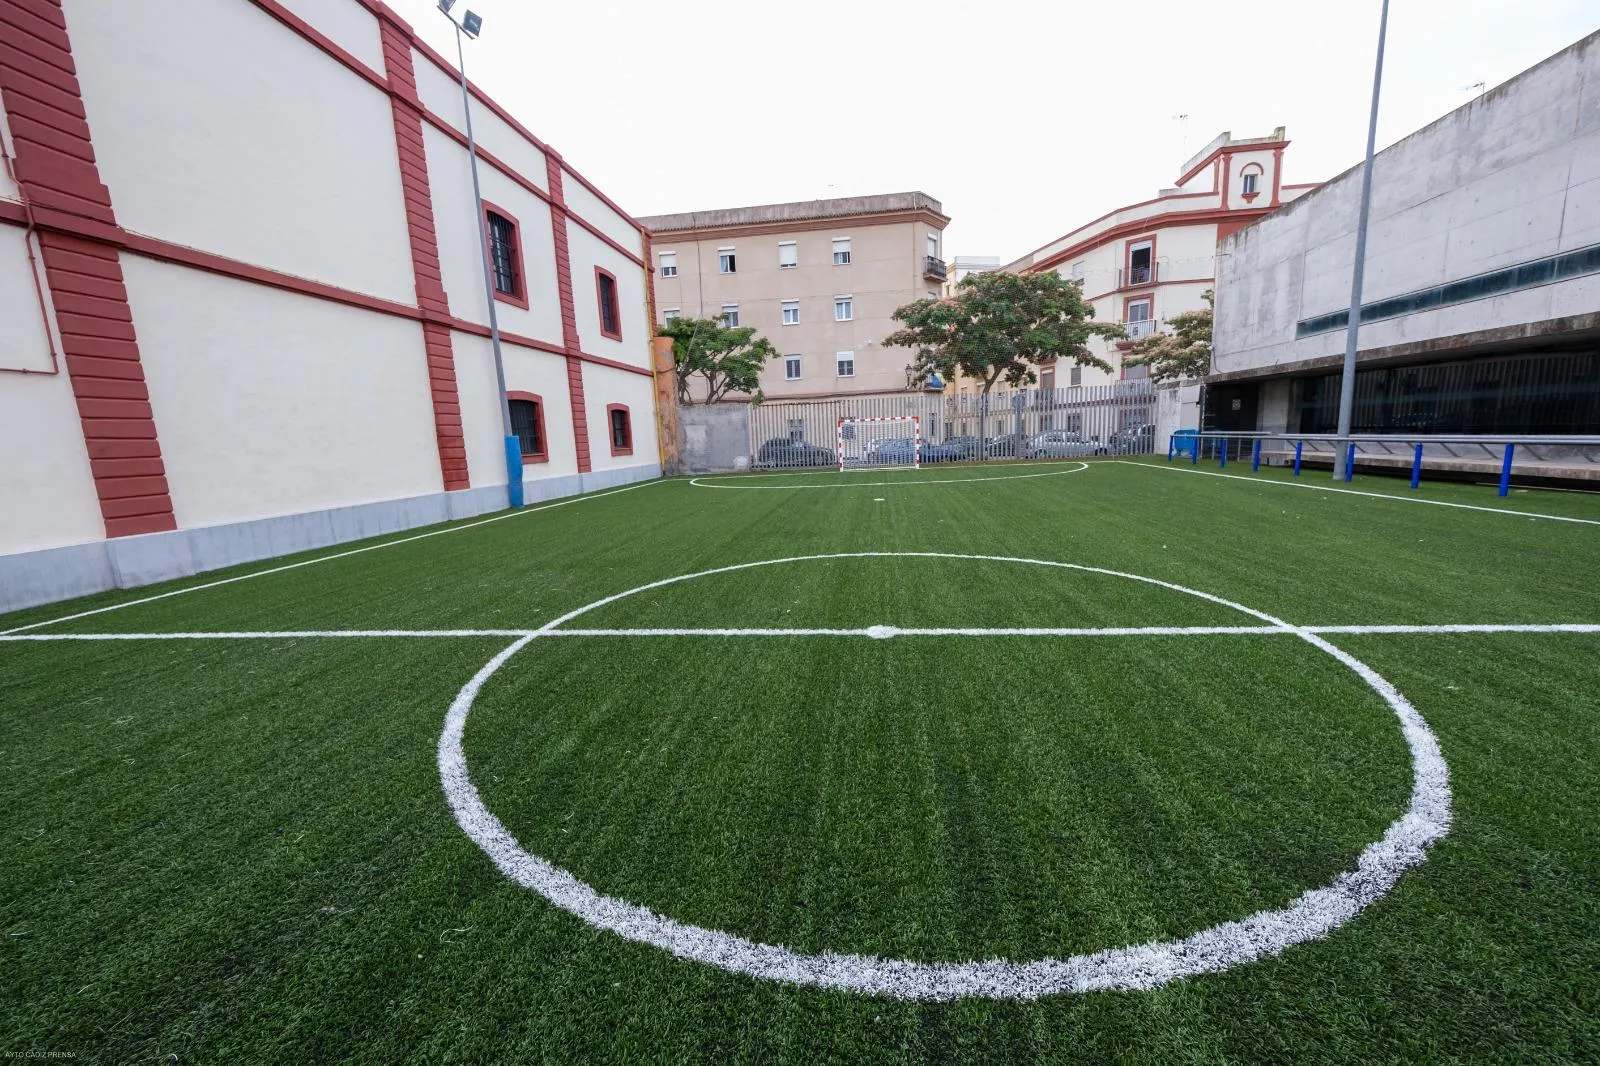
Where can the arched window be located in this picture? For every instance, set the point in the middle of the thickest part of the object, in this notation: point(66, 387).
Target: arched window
point(1250, 181)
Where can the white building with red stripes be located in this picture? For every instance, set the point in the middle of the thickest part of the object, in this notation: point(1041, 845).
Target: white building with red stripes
point(1142, 264)
point(243, 295)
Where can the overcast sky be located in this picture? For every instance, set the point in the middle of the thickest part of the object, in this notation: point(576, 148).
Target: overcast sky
point(1026, 118)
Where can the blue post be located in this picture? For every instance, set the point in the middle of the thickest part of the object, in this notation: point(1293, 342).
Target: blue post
point(1416, 467)
point(1297, 446)
point(1505, 470)
point(1350, 462)
point(1170, 445)
point(514, 471)
point(1194, 453)
point(1255, 457)
point(1222, 456)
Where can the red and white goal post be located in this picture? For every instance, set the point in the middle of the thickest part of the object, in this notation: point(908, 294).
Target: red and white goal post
point(880, 443)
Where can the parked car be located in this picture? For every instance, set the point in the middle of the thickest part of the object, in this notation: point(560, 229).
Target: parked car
point(890, 451)
point(966, 447)
point(896, 451)
point(878, 444)
point(945, 452)
point(1133, 440)
point(1001, 447)
point(1061, 445)
point(786, 451)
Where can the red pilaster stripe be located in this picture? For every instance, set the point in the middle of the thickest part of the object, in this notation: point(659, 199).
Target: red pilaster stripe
point(56, 167)
point(431, 296)
point(569, 312)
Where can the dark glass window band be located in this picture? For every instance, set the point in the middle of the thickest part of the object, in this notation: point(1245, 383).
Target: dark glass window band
point(1553, 268)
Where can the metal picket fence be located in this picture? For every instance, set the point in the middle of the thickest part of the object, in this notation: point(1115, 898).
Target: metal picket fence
point(1117, 419)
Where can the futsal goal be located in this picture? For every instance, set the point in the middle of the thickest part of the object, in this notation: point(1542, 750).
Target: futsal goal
point(877, 443)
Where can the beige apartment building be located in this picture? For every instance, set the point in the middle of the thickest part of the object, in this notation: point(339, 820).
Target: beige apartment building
point(819, 278)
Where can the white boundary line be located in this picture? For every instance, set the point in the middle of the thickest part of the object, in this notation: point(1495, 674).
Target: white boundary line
point(1358, 492)
point(700, 484)
point(1144, 966)
point(880, 632)
point(327, 558)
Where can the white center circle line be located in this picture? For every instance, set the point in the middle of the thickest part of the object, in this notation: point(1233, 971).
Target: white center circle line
point(1312, 915)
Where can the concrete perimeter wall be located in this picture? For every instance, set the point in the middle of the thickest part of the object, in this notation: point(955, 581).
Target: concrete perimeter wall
point(1509, 179)
point(713, 437)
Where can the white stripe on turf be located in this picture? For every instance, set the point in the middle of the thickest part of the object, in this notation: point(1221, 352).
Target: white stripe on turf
point(880, 632)
point(1141, 966)
point(327, 558)
point(1357, 492)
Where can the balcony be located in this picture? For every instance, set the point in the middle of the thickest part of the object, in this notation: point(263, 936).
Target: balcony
point(1129, 277)
point(1139, 328)
point(932, 269)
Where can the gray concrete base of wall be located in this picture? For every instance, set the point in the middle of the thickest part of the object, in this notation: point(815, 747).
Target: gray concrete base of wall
point(28, 579)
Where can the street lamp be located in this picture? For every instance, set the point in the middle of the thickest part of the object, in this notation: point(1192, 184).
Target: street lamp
point(471, 24)
point(1347, 381)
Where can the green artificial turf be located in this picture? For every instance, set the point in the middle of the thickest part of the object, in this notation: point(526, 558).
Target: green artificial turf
point(226, 851)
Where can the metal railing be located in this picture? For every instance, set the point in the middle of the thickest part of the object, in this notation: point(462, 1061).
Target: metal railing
point(1547, 456)
point(1145, 275)
point(933, 268)
point(1078, 421)
point(1139, 327)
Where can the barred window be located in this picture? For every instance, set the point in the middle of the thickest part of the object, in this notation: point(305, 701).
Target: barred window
point(527, 425)
point(503, 255)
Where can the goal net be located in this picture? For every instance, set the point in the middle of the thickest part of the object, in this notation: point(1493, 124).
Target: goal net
point(876, 443)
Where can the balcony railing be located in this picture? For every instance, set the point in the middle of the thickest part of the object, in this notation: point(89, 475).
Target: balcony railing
point(1141, 275)
point(1139, 327)
point(932, 269)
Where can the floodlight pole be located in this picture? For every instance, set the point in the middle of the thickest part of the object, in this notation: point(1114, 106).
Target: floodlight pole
point(1347, 380)
point(513, 447)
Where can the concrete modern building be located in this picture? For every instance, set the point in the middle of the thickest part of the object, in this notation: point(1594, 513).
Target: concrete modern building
point(1482, 296)
point(243, 296)
point(819, 278)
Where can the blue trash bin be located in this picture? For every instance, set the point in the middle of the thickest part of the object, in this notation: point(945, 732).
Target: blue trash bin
point(1186, 442)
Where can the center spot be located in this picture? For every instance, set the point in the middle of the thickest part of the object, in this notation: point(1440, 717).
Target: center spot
point(882, 632)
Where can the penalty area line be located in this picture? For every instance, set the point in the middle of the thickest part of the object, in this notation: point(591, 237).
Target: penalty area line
point(875, 632)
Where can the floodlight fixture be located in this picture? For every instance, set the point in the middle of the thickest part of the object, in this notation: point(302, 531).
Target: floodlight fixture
point(471, 24)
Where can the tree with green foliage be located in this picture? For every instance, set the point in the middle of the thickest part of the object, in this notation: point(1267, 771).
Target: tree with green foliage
point(998, 326)
point(727, 358)
point(1183, 353)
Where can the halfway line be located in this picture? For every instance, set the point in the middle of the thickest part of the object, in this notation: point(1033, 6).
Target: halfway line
point(876, 632)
